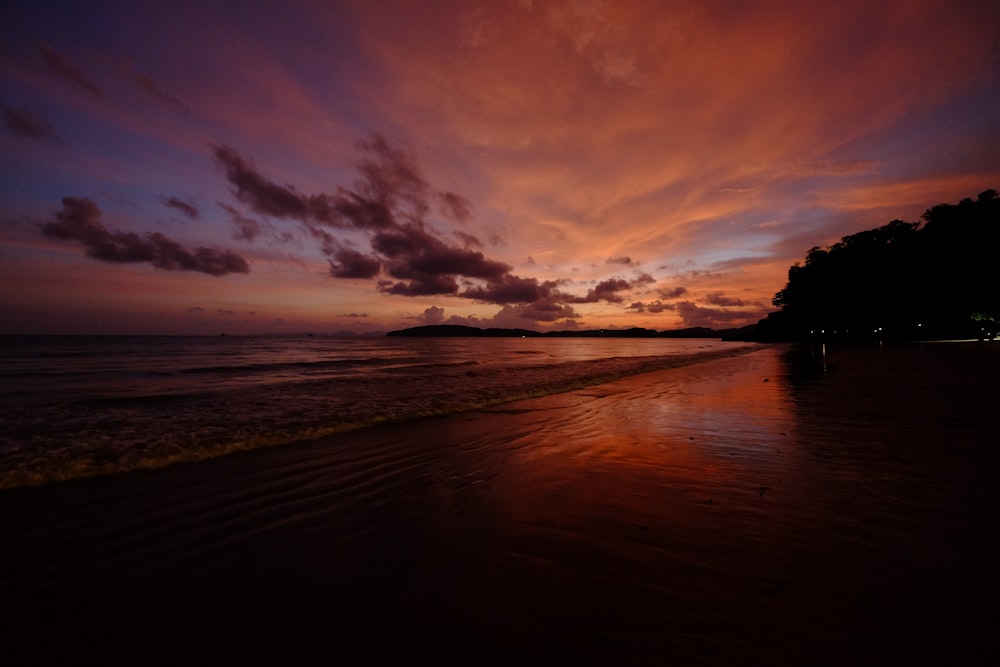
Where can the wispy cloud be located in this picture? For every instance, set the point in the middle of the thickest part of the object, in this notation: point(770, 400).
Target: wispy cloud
point(62, 66)
point(152, 89)
point(720, 299)
point(26, 124)
point(184, 206)
point(693, 315)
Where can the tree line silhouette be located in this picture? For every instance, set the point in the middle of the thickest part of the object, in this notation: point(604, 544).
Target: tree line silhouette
point(934, 279)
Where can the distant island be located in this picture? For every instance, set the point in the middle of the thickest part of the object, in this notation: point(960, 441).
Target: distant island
point(458, 330)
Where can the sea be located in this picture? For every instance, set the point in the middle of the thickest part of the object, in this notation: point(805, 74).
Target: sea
point(78, 406)
point(747, 505)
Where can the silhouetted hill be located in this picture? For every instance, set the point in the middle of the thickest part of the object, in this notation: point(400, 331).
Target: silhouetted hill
point(438, 330)
point(905, 280)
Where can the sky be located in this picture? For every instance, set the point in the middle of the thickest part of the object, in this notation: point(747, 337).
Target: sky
point(361, 166)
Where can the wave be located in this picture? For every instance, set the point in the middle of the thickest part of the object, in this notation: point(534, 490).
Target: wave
point(40, 444)
point(272, 367)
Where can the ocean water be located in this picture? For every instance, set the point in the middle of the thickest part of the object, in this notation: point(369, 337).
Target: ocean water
point(75, 406)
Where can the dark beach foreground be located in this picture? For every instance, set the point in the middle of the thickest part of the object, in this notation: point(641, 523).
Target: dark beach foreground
point(777, 508)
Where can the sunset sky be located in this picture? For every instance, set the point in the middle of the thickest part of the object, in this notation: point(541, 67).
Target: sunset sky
point(262, 167)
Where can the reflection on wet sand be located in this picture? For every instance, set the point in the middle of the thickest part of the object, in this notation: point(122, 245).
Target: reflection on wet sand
point(749, 510)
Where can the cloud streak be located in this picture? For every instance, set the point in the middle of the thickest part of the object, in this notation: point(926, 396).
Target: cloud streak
point(26, 124)
point(62, 66)
point(184, 206)
point(155, 92)
point(693, 315)
point(719, 299)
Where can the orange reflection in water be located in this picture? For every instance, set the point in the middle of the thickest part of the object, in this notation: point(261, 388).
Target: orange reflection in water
point(762, 505)
point(641, 499)
point(689, 433)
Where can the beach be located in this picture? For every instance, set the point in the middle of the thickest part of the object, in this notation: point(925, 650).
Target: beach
point(787, 506)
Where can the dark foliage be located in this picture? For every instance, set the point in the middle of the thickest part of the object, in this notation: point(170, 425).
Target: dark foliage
point(905, 280)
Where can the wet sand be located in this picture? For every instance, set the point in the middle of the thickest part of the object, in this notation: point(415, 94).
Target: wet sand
point(778, 508)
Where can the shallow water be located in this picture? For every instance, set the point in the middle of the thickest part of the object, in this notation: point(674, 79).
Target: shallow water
point(75, 406)
point(765, 509)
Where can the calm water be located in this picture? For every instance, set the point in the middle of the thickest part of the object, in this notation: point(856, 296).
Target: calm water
point(75, 406)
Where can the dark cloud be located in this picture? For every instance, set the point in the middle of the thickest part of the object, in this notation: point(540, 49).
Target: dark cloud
point(432, 315)
point(719, 299)
point(258, 192)
point(651, 306)
point(672, 293)
point(429, 285)
point(388, 195)
point(513, 289)
point(153, 90)
point(696, 316)
point(80, 220)
point(186, 207)
point(608, 290)
point(246, 228)
point(468, 240)
point(524, 298)
point(455, 206)
point(392, 192)
point(625, 260)
point(67, 70)
point(391, 176)
point(26, 124)
point(424, 264)
point(643, 279)
point(348, 263)
point(539, 311)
